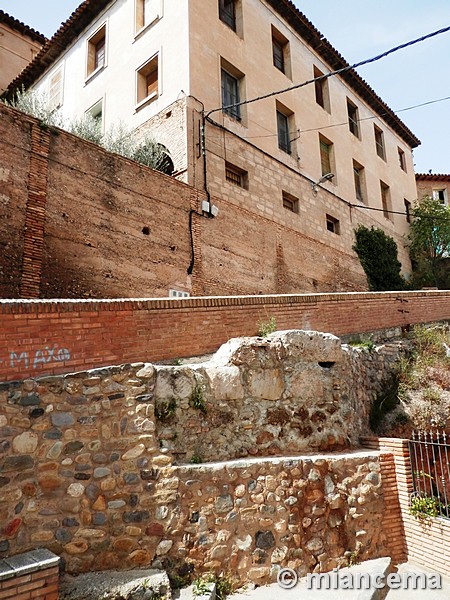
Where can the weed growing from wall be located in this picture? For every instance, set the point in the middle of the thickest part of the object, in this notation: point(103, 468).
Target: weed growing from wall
point(265, 328)
point(165, 410)
point(197, 399)
point(424, 507)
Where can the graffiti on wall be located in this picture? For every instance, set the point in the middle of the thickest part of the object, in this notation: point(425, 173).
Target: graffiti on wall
point(34, 358)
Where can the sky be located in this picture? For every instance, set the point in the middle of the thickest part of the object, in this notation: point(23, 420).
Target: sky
point(358, 29)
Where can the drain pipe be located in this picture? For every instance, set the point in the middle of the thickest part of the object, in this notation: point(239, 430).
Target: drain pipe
point(209, 211)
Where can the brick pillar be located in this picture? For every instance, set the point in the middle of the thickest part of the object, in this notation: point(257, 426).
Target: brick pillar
point(35, 213)
point(197, 274)
point(397, 485)
point(427, 541)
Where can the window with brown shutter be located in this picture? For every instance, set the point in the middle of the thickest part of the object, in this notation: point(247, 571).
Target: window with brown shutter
point(147, 81)
point(325, 156)
point(96, 51)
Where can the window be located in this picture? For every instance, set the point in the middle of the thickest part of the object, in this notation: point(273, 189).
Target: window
point(147, 81)
point(55, 91)
point(326, 155)
point(227, 13)
point(385, 200)
point(278, 55)
point(333, 225)
point(284, 136)
point(353, 118)
point(147, 12)
point(96, 112)
point(231, 95)
point(178, 294)
point(408, 211)
point(280, 52)
point(97, 51)
point(441, 195)
point(321, 87)
point(358, 175)
point(379, 142)
point(290, 202)
point(236, 175)
point(402, 159)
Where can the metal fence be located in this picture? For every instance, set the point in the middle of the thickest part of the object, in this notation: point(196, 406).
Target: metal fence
point(430, 464)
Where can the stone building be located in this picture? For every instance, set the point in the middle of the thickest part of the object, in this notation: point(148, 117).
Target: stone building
point(316, 161)
point(19, 44)
point(435, 186)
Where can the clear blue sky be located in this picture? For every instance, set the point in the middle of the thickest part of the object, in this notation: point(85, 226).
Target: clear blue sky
point(358, 30)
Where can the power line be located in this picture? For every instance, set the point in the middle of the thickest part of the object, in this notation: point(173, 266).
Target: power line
point(332, 73)
point(254, 137)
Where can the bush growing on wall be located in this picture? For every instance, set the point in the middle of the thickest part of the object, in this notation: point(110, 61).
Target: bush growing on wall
point(118, 139)
point(377, 253)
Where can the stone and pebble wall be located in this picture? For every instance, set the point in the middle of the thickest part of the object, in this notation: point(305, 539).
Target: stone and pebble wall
point(88, 471)
point(251, 517)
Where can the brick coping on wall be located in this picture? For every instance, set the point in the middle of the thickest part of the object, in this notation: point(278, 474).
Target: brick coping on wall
point(39, 337)
point(32, 575)
point(69, 305)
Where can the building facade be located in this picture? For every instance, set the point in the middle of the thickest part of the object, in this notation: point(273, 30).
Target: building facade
point(435, 186)
point(19, 44)
point(317, 161)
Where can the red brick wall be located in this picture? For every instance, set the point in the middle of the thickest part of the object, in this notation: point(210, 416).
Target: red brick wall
point(38, 337)
point(427, 544)
point(40, 585)
point(74, 219)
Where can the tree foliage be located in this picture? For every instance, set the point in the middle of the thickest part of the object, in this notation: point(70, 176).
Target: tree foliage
point(377, 253)
point(430, 242)
point(119, 139)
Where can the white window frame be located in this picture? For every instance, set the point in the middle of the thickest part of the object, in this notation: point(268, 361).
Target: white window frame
point(178, 294)
point(92, 74)
point(92, 110)
point(155, 95)
point(139, 9)
point(436, 192)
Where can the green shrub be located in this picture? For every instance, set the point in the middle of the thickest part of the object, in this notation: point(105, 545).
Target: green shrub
point(224, 585)
point(265, 328)
point(197, 400)
point(377, 253)
point(424, 507)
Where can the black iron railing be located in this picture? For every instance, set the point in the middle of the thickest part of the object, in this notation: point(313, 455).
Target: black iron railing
point(430, 464)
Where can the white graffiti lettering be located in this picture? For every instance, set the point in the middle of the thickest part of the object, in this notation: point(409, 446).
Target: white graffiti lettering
point(23, 356)
point(42, 356)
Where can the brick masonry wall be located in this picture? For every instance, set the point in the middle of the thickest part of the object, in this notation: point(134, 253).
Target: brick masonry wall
point(44, 337)
point(90, 224)
point(80, 222)
point(15, 148)
point(40, 585)
point(426, 543)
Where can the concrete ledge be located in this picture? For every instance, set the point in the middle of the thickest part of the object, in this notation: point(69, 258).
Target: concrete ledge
point(29, 562)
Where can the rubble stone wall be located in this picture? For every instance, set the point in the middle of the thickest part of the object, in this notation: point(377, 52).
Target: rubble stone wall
point(252, 517)
point(94, 465)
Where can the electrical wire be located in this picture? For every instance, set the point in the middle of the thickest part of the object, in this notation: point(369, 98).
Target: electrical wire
point(428, 103)
point(333, 73)
point(410, 213)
